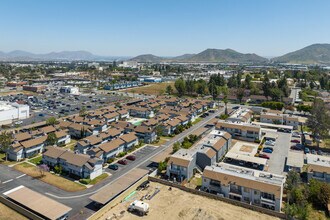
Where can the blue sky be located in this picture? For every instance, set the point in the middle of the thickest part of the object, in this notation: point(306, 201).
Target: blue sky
point(167, 28)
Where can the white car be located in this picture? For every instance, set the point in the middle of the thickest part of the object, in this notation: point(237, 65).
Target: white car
point(18, 122)
point(271, 143)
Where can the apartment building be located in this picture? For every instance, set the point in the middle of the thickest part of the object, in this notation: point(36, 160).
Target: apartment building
point(205, 152)
point(240, 130)
point(245, 185)
point(28, 148)
point(76, 164)
point(241, 115)
point(318, 167)
point(284, 119)
point(181, 165)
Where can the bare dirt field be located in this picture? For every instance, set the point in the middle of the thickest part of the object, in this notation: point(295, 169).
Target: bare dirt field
point(9, 214)
point(152, 89)
point(177, 204)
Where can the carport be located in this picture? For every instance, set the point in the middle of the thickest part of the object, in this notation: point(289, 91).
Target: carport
point(38, 203)
point(109, 192)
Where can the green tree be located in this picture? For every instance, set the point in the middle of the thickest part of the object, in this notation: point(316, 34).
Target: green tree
point(51, 121)
point(6, 140)
point(176, 147)
point(180, 86)
point(51, 139)
point(169, 89)
point(319, 120)
point(240, 94)
point(276, 94)
point(266, 86)
point(248, 81)
point(83, 111)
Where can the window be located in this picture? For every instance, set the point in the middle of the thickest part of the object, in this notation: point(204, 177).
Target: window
point(256, 192)
point(256, 201)
point(246, 199)
point(246, 190)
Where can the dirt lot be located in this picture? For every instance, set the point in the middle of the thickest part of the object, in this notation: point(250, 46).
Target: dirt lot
point(9, 214)
point(177, 204)
point(152, 89)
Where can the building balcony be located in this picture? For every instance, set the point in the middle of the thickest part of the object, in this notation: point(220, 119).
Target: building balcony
point(267, 201)
point(235, 192)
point(174, 171)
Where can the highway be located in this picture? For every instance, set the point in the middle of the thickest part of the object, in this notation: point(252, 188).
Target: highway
point(79, 201)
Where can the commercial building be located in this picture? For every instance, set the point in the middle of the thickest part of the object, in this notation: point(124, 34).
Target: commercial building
point(240, 130)
point(318, 167)
point(9, 112)
point(70, 89)
point(35, 88)
point(246, 185)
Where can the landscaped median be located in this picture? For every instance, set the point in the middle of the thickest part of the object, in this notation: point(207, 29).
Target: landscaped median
point(49, 178)
point(95, 180)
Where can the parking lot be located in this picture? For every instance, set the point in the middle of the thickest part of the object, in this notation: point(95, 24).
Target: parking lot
point(277, 160)
point(140, 154)
point(53, 104)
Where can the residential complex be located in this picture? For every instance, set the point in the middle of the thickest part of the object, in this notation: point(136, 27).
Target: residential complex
point(205, 152)
point(240, 130)
point(318, 167)
point(245, 185)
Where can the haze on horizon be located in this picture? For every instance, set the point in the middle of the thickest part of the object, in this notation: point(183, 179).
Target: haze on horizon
point(163, 28)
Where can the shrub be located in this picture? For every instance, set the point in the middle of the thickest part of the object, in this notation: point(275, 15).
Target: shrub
point(121, 154)
point(58, 169)
point(85, 181)
point(110, 160)
point(273, 105)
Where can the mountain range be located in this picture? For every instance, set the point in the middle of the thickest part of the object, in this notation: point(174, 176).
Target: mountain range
point(19, 55)
point(313, 54)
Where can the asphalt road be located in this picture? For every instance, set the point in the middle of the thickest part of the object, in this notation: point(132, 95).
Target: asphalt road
point(79, 201)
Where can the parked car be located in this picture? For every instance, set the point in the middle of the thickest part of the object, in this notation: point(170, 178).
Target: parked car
point(306, 150)
point(295, 141)
point(295, 134)
point(319, 152)
point(267, 150)
point(264, 156)
point(131, 157)
point(271, 143)
point(113, 166)
point(294, 147)
point(122, 162)
point(313, 151)
point(269, 147)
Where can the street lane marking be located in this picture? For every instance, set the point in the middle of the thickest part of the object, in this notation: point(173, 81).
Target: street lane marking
point(7, 181)
point(20, 176)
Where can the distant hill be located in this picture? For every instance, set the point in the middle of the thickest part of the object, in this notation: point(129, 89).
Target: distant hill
point(148, 58)
point(184, 56)
point(225, 56)
point(313, 54)
point(209, 55)
point(19, 55)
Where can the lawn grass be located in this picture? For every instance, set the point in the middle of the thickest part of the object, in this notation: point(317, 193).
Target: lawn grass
point(162, 141)
point(152, 89)
point(71, 145)
point(197, 120)
point(9, 214)
point(49, 178)
point(317, 214)
point(36, 160)
point(98, 179)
